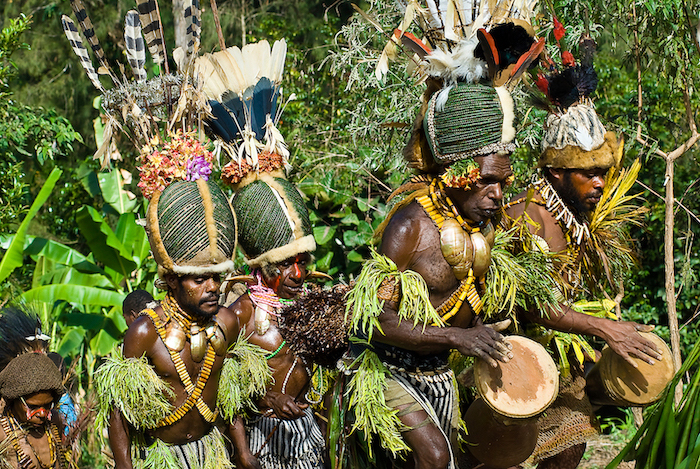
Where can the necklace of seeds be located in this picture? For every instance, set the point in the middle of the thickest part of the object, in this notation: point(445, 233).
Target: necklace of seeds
point(13, 430)
point(445, 204)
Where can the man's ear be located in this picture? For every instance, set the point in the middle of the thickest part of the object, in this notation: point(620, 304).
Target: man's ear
point(557, 174)
point(172, 281)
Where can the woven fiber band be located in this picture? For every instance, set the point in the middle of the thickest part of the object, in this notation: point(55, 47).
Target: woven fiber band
point(274, 222)
point(470, 123)
point(192, 228)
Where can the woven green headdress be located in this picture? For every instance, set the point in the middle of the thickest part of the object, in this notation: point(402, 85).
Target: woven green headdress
point(192, 229)
point(467, 120)
point(273, 221)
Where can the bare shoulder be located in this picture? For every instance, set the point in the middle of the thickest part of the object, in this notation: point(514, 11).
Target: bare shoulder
point(140, 337)
point(407, 230)
point(229, 318)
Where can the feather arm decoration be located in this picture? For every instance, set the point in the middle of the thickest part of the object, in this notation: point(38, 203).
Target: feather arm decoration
point(135, 46)
point(194, 26)
point(609, 255)
point(89, 33)
point(150, 24)
point(80, 50)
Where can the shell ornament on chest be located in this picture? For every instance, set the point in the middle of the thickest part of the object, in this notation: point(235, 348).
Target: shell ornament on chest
point(464, 250)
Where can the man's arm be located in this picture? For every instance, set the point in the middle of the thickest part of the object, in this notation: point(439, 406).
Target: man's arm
point(119, 440)
point(622, 337)
point(403, 241)
point(138, 341)
point(245, 458)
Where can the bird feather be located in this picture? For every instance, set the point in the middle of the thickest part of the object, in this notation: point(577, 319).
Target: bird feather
point(80, 50)
point(279, 53)
point(91, 37)
point(150, 26)
point(135, 46)
point(194, 26)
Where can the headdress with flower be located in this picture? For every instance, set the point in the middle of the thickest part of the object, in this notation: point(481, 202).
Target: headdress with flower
point(163, 117)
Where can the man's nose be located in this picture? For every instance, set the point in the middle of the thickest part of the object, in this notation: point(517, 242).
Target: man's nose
point(598, 182)
point(496, 192)
point(296, 272)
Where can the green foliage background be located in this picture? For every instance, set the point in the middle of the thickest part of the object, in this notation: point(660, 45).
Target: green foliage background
point(83, 253)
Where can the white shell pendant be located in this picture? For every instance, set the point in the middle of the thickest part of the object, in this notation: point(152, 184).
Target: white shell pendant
point(175, 337)
point(216, 338)
point(482, 254)
point(262, 320)
point(198, 343)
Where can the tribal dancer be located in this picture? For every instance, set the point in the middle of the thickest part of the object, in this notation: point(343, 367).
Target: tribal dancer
point(185, 374)
point(275, 235)
point(30, 387)
point(558, 208)
point(421, 294)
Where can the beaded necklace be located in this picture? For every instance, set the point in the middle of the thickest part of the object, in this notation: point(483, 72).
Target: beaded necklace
point(194, 392)
point(13, 430)
point(180, 326)
point(439, 208)
point(266, 303)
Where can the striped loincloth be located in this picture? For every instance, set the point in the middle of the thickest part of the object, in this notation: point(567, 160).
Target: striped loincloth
point(294, 444)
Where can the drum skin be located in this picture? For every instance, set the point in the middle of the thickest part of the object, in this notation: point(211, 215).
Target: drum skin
point(498, 442)
point(613, 381)
point(524, 386)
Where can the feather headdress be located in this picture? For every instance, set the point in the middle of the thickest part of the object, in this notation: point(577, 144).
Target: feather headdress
point(471, 53)
point(243, 87)
point(574, 137)
point(146, 111)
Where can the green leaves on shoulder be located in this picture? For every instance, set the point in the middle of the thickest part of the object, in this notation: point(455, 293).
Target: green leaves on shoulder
point(132, 386)
point(364, 306)
point(244, 377)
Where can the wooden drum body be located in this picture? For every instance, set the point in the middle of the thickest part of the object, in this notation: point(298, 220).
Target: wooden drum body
point(501, 427)
point(613, 381)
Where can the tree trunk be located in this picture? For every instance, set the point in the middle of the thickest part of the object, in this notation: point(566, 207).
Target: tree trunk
point(670, 271)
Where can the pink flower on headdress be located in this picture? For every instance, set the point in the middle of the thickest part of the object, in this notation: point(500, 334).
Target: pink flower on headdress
point(181, 157)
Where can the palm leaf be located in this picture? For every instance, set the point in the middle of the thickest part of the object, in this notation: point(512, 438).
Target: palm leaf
point(13, 256)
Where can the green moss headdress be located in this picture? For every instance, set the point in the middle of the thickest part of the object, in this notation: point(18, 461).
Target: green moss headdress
point(191, 228)
point(273, 221)
point(467, 120)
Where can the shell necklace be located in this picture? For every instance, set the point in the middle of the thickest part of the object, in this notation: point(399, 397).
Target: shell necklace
point(180, 326)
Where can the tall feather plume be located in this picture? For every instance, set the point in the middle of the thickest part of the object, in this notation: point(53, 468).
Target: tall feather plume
point(194, 26)
point(20, 332)
point(135, 46)
point(150, 26)
point(80, 50)
point(89, 33)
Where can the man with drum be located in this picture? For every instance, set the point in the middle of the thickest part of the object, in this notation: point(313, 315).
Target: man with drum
point(420, 295)
point(577, 152)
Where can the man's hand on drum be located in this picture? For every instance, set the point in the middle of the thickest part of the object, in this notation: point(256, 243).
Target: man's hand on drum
point(623, 338)
point(483, 342)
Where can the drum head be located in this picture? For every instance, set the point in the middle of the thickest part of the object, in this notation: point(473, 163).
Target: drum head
point(643, 385)
point(524, 386)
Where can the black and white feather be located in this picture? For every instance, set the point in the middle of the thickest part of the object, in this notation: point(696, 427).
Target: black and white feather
point(20, 332)
point(80, 50)
point(151, 28)
point(194, 27)
point(135, 45)
point(89, 33)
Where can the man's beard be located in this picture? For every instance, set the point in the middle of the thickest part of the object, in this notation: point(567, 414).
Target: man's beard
point(577, 204)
